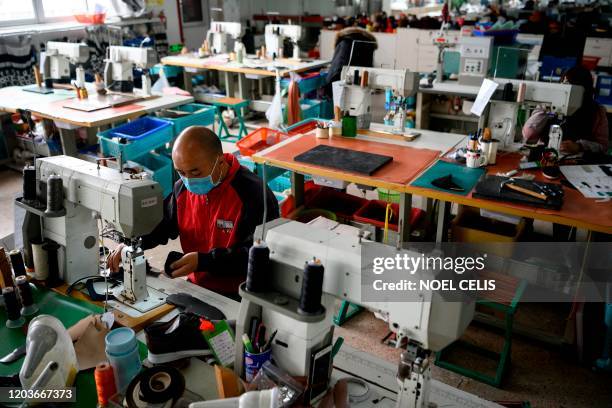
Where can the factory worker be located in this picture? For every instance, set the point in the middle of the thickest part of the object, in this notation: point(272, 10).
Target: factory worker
point(584, 131)
point(214, 209)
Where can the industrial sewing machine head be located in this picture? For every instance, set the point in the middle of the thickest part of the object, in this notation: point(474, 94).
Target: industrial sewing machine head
point(354, 91)
point(126, 208)
point(120, 61)
point(559, 100)
point(217, 36)
point(303, 340)
point(56, 60)
point(275, 35)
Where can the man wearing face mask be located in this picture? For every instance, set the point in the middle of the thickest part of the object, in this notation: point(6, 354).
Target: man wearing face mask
point(214, 209)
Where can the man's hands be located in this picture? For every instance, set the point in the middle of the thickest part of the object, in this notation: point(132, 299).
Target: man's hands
point(184, 266)
point(570, 147)
point(113, 261)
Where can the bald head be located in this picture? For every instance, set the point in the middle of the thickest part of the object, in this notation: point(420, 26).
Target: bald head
point(195, 152)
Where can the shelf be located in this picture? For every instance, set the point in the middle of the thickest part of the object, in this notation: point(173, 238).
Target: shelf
point(461, 118)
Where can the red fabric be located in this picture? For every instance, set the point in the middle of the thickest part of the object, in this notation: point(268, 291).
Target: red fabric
point(198, 217)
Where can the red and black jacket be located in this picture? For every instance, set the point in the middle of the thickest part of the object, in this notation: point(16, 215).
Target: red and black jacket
point(218, 225)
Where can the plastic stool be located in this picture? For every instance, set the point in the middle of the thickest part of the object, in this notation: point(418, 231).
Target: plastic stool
point(504, 298)
point(237, 105)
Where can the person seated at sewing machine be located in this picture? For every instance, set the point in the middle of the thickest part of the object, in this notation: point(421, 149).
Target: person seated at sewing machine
point(214, 209)
point(584, 131)
point(353, 40)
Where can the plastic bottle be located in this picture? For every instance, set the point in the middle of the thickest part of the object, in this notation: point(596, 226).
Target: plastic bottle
point(122, 354)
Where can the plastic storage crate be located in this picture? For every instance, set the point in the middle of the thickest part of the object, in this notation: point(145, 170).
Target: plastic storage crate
point(260, 139)
point(342, 204)
point(308, 82)
point(303, 126)
point(197, 114)
point(136, 138)
point(160, 167)
point(375, 210)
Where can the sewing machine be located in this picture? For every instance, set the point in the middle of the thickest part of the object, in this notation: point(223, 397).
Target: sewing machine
point(120, 61)
point(56, 60)
point(504, 117)
point(359, 83)
point(218, 34)
point(475, 55)
point(130, 207)
point(429, 323)
point(275, 35)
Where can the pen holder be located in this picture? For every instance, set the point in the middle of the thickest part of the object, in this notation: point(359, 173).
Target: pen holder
point(253, 362)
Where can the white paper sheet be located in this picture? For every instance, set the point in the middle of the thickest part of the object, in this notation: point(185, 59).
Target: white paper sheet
point(485, 93)
point(593, 181)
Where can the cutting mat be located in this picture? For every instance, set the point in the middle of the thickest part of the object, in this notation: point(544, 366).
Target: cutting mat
point(344, 159)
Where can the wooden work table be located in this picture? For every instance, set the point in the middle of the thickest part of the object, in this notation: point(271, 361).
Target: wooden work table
point(252, 67)
point(51, 107)
point(409, 162)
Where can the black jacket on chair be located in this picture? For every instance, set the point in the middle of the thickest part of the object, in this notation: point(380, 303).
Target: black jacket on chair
point(363, 53)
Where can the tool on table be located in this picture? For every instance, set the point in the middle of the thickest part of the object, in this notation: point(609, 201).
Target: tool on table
point(48, 342)
point(447, 183)
point(275, 35)
point(126, 207)
point(118, 71)
point(354, 96)
point(510, 183)
point(300, 337)
point(14, 355)
point(156, 386)
point(260, 337)
point(218, 35)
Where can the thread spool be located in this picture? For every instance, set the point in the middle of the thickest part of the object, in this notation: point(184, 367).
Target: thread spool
point(55, 197)
point(258, 267)
point(312, 288)
point(40, 261)
point(17, 263)
point(53, 278)
point(28, 307)
point(105, 383)
point(364, 79)
point(13, 313)
point(29, 184)
point(6, 275)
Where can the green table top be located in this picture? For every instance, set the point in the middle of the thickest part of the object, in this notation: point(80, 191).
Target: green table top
point(69, 311)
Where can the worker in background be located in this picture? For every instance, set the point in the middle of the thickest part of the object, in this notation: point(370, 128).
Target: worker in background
point(584, 131)
point(362, 52)
point(214, 209)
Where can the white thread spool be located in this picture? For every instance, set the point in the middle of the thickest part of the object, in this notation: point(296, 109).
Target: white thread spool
point(41, 263)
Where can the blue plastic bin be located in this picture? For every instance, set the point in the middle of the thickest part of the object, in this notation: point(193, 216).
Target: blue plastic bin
point(604, 89)
point(142, 136)
point(161, 168)
point(199, 114)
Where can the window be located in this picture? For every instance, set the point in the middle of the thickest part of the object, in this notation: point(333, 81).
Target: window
point(52, 9)
point(17, 11)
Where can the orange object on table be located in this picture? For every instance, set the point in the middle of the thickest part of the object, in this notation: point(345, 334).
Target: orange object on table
point(407, 162)
point(260, 139)
point(294, 112)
